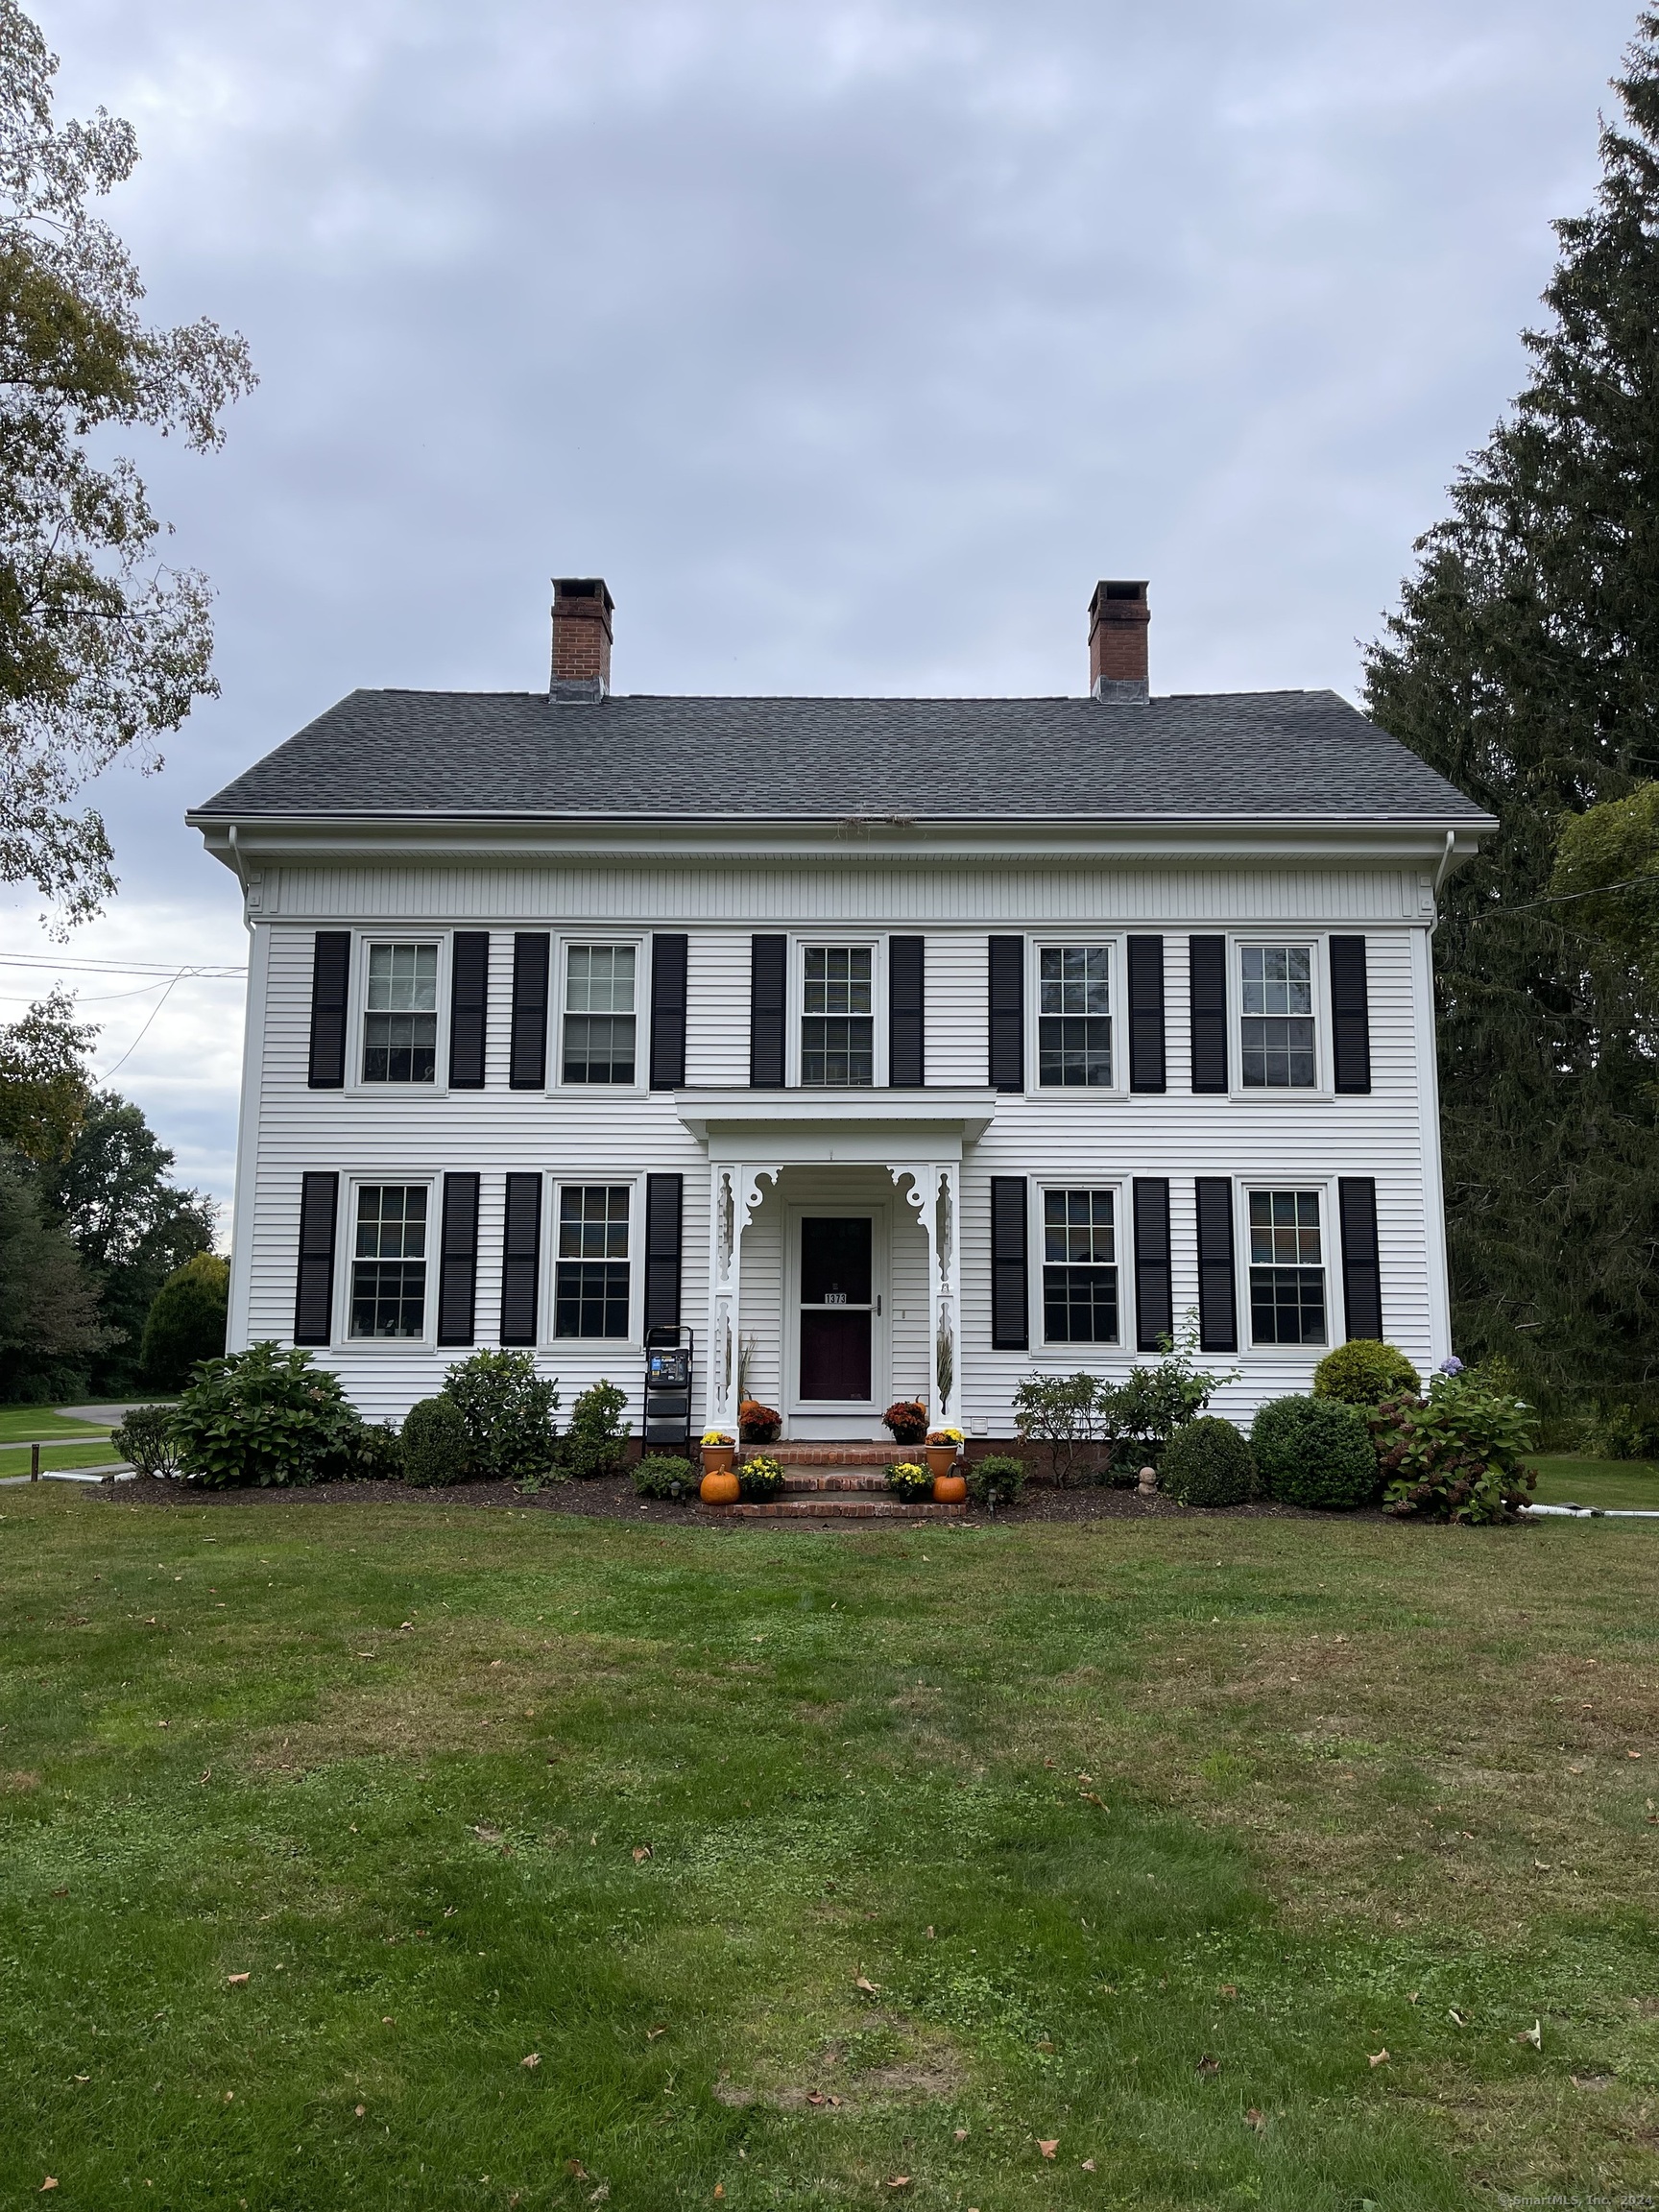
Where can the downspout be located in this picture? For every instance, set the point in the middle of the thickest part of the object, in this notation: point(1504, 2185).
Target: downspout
point(242, 873)
point(1440, 874)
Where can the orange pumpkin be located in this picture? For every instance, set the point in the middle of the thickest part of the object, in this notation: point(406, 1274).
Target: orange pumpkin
point(950, 1489)
point(719, 1487)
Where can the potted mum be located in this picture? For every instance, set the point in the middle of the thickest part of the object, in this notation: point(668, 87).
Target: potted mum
point(760, 1477)
point(911, 1483)
point(907, 1419)
point(759, 1424)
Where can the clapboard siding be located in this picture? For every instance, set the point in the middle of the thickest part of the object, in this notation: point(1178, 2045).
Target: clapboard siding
point(861, 888)
point(601, 1135)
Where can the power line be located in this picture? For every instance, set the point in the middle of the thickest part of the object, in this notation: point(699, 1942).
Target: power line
point(207, 970)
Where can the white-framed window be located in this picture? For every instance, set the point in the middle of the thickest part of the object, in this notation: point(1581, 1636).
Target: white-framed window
point(1278, 1026)
point(593, 1259)
point(400, 1005)
point(391, 1226)
point(1286, 1245)
point(838, 1028)
point(1074, 1040)
point(599, 1040)
point(1080, 1281)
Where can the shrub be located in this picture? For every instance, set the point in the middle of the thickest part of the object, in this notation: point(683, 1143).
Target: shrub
point(758, 1424)
point(907, 1419)
point(1364, 1373)
point(1069, 1418)
point(996, 1481)
point(435, 1445)
point(380, 1454)
point(759, 1477)
point(1207, 1462)
point(507, 1411)
point(1455, 1454)
point(909, 1483)
point(661, 1476)
point(1624, 1433)
point(1154, 1401)
point(146, 1437)
point(595, 1443)
point(1315, 1452)
point(265, 1416)
point(187, 1321)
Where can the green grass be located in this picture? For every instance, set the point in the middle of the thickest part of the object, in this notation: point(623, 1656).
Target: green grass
point(27, 1422)
point(14, 1457)
point(1146, 1835)
point(1564, 1481)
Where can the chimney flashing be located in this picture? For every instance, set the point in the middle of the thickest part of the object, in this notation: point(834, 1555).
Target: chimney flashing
point(1120, 692)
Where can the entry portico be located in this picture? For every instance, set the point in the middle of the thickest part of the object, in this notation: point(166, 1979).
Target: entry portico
point(816, 1161)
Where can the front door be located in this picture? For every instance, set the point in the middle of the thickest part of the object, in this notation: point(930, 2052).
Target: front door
point(838, 1307)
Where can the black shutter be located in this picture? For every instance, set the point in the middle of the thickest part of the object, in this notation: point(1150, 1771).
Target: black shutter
point(1008, 1015)
point(1154, 1299)
point(1010, 1297)
point(314, 1291)
point(468, 1011)
point(1350, 1016)
point(1217, 1305)
point(531, 952)
point(768, 963)
point(663, 1197)
point(520, 1259)
point(668, 956)
point(907, 1016)
point(1361, 1273)
point(1145, 1013)
point(458, 1259)
point(330, 979)
point(1207, 970)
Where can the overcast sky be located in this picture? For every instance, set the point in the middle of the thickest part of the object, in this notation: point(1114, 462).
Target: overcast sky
point(851, 343)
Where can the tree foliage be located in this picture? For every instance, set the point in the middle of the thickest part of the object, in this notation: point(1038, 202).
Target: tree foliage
point(1523, 665)
point(102, 647)
point(49, 1325)
point(187, 1321)
point(44, 1083)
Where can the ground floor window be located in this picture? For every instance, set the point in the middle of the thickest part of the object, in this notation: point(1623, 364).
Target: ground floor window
point(1287, 1269)
point(389, 1261)
point(1079, 1267)
point(590, 1282)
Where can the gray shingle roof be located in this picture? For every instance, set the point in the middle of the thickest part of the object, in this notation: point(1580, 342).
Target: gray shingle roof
point(1270, 755)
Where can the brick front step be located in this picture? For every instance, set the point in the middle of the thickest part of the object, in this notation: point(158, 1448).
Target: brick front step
point(800, 1479)
point(841, 1507)
point(833, 1454)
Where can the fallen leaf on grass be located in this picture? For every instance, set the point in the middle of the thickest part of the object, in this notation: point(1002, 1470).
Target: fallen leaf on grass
point(358, 2110)
point(50, 2182)
point(719, 2188)
point(1048, 2147)
point(898, 2180)
point(1377, 2058)
point(869, 1989)
point(1533, 2035)
point(652, 2033)
point(1256, 2118)
point(1091, 1797)
point(1453, 2014)
point(816, 2097)
point(1229, 1989)
point(1208, 2066)
point(236, 1980)
point(961, 2134)
point(576, 2170)
point(533, 2060)
point(642, 1851)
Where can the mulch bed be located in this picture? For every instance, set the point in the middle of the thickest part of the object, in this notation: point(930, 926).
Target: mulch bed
point(614, 1498)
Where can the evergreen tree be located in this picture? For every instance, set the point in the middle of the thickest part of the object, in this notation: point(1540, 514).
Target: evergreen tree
point(187, 1322)
point(1523, 665)
point(49, 1325)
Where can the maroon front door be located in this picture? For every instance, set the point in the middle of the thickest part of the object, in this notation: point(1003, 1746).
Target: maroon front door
point(836, 1306)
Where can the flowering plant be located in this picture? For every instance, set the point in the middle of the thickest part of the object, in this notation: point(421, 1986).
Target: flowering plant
point(946, 1437)
point(716, 1436)
point(910, 1482)
point(758, 1424)
point(907, 1419)
point(761, 1477)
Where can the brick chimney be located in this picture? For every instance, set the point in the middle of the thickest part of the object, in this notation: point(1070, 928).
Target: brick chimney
point(1117, 619)
point(582, 611)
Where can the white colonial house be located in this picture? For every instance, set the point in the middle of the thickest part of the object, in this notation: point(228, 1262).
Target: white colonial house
point(892, 1048)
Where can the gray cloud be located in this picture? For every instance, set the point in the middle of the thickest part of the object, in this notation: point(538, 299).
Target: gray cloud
point(850, 343)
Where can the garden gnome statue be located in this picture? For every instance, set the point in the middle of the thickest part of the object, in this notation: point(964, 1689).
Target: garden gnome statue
point(1146, 1482)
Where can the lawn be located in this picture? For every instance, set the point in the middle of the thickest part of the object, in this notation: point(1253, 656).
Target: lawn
point(1607, 1483)
point(26, 1423)
point(14, 1457)
point(411, 1856)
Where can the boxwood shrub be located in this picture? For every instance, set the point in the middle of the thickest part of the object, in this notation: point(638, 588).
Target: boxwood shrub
point(1364, 1373)
point(661, 1474)
point(434, 1444)
point(1208, 1464)
point(996, 1481)
point(1315, 1452)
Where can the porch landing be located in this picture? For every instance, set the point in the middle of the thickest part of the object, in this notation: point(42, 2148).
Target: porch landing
point(839, 1483)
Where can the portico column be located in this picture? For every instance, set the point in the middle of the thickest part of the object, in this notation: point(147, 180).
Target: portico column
point(946, 1286)
point(735, 1192)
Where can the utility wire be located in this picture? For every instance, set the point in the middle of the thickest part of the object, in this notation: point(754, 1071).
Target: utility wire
point(216, 972)
point(111, 1073)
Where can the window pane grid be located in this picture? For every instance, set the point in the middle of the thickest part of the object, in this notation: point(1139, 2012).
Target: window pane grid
point(1287, 1269)
point(599, 1031)
point(1276, 1018)
point(1073, 1016)
point(401, 1015)
point(1079, 1272)
point(837, 1024)
point(591, 1276)
point(389, 1264)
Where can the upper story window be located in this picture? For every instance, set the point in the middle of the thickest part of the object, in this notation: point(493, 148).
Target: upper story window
point(1287, 1269)
point(1276, 1046)
point(839, 1015)
point(389, 1261)
point(599, 1017)
point(400, 1013)
point(1079, 1267)
point(1073, 1016)
point(590, 1276)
